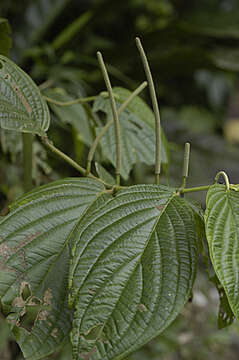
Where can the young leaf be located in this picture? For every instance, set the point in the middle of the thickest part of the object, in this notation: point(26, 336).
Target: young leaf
point(22, 107)
point(134, 263)
point(137, 132)
point(34, 256)
point(222, 231)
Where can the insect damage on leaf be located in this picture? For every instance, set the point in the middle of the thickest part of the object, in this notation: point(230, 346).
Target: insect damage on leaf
point(27, 309)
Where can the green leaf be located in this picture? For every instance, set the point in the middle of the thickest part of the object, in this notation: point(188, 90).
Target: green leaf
point(137, 126)
point(35, 247)
point(22, 107)
point(5, 39)
point(134, 263)
point(76, 115)
point(225, 314)
point(222, 231)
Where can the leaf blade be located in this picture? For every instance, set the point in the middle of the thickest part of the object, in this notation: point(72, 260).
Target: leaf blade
point(22, 107)
point(35, 248)
point(124, 270)
point(222, 231)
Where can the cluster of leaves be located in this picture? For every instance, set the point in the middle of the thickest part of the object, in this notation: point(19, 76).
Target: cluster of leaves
point(112, 269)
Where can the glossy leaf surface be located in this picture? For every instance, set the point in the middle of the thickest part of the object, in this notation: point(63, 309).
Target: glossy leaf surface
point(222, 231)
point(22, 107)
point(134, 262)
point(35, 251)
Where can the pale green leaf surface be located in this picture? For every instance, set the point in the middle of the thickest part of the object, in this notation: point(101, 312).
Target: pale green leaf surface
point(22, 107)
point(134, 262)
point(137, 127)
point(35, 246)
point(76, 115)
point(222, 231)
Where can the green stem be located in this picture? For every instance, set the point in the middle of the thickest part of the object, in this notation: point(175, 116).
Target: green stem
point(222, 173)
point(27, 140)
point(109, 123)
point(71, 162)
point(185, 164)
point(155, 108)
point(115, 117)
point(196, 188)
point(71, 102)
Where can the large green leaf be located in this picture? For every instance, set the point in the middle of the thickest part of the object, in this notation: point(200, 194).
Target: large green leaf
point(134, 262)
point(34, 258)
point(137, 126)
point(222, 231)
point(22, 107)
point(5, 39)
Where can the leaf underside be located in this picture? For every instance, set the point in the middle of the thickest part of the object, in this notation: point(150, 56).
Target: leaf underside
point(133, 267)
point(137, 127)
point(35, 252)
point(222, 231)
point(22, 107)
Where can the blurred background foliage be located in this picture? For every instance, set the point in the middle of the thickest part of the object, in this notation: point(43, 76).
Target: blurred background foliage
point(193, 50)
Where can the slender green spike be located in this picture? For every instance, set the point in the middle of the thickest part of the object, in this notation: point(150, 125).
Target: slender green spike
point(115, 116)
point(155, 108)
point(109, 123)
point(185, 164)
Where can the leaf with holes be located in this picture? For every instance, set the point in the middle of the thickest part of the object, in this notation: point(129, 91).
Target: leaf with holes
point(35, 247)
point(137, 126)
point(22, 107)
point(133, 267)
point(222, 231)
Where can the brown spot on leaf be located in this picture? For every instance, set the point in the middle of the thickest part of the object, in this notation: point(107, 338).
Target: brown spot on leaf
point(92, 291)
point(42, 315)
point(54, 333)
point(142, 308)
point(87, 356)
point(27, 239)
point(5, 250)
point(5, 211)
point(22, 98)
point(47, 297)
point(160, 207)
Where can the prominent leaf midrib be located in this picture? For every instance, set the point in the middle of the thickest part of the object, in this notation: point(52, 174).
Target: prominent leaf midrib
point(44, 234)
point(109, 210)
point(107, 248)
point(118, 269)
point(236, 241)
point(153, 311)
point(27, 85)
point(158, 217)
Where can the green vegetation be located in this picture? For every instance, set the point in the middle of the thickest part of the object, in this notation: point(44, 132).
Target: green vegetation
point(101, 239)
